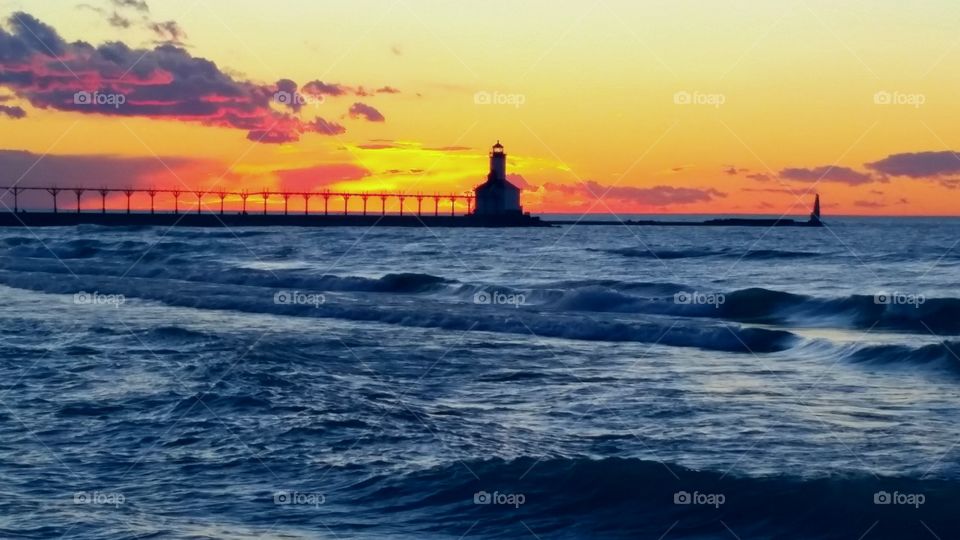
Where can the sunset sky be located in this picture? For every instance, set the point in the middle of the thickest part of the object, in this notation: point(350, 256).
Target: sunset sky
point(604, 106)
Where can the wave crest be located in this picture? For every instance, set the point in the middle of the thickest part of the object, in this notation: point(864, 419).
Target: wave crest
point(634, 498)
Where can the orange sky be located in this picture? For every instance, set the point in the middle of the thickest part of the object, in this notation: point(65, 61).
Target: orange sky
point(603, 106)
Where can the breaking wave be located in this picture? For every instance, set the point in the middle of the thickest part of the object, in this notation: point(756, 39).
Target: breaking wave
point(669, 254)
point(465, 317)
point(937, 355)
point(633, 498)
point(764, 306)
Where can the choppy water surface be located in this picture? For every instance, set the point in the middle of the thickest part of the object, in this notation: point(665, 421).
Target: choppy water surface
point(413, 383)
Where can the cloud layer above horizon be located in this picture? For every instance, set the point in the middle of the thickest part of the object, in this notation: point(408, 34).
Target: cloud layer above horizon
point(164, 82)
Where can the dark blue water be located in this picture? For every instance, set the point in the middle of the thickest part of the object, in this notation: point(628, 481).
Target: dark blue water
point(585, 382)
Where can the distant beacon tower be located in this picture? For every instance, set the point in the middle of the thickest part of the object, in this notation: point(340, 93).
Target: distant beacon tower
point(815, 215)
point(497, 196)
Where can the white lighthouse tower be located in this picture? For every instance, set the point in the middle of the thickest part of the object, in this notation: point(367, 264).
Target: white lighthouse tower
point(497, 196)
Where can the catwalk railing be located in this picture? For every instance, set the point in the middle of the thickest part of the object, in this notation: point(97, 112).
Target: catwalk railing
point(264, 195)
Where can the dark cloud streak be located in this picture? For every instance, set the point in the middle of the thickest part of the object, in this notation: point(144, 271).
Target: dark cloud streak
point(138, 5)
point(651, 196)
point(829, 173)
point(13, 111)
point(918, 164)
point(168, 32)
point(165, 82)
point(368, 113)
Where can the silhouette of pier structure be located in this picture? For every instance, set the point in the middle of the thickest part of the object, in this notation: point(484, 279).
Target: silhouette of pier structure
point(333, 202)
point(499, 206)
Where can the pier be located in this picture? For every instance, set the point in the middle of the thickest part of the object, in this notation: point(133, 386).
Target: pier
point(220, 208)
point(220, 196)
point(495, 203)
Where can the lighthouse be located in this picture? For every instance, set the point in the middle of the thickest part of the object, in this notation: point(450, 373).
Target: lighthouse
point(815, 215)
point(497, 196)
